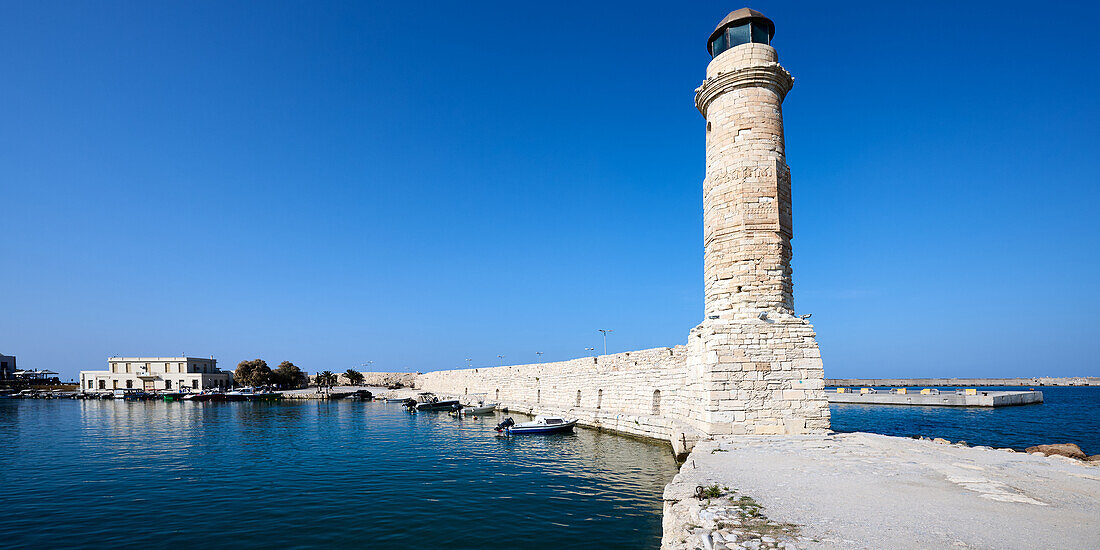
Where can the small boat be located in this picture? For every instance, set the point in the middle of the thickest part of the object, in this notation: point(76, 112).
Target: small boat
point(438, 405)
point(172, 395)
point(250, 394)
point(396, 399)
point(480, 408)
point(541, 425)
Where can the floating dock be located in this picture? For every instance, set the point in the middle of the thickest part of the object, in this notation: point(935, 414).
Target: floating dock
point(934, 398)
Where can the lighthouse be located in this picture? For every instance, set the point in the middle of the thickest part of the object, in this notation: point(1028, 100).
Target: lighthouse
point(758, 365)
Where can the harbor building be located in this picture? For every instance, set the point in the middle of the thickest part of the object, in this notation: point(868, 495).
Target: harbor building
point(7, 368)
point(156, 373)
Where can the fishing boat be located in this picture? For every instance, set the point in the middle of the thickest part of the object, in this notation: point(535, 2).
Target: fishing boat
point(475, 410)
point(541, 425)
point(172, 395)
point(427, 401)
point(250, 394)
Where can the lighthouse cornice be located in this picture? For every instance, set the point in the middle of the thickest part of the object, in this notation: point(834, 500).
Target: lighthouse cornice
point(771, 75)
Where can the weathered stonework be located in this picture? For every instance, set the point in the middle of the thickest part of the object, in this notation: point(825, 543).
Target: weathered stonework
point(752, 366)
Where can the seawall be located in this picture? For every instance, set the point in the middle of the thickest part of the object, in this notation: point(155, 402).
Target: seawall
point(644, 393)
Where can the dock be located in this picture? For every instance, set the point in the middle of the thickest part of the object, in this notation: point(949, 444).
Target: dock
point(934, 398)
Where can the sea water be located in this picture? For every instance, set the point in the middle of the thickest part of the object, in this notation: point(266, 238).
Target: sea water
point(1067, 415)
point(111, 474)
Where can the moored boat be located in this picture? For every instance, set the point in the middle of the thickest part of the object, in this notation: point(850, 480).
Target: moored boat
point(250, 394)
point(541, 425)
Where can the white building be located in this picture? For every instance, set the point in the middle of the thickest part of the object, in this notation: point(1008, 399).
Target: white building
point(156, 373)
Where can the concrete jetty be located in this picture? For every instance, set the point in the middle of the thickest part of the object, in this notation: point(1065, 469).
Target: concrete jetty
point(963, 398)
point(957, 382)
point(849, 491)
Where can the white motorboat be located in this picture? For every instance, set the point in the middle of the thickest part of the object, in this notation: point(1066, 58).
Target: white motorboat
point(541, 425)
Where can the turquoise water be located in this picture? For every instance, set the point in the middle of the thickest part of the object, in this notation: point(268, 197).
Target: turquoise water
point(1067, 415)
point(309, 474)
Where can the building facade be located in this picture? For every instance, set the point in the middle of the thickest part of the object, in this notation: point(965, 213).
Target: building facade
point(156, 374)
point(7, 368)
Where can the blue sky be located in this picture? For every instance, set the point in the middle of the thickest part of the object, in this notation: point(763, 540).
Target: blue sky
point(418, 183)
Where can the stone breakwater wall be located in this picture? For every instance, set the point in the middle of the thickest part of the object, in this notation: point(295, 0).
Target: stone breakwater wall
point(760, 376)
point(377, 379)
point(646, 393)
point(1012, 382)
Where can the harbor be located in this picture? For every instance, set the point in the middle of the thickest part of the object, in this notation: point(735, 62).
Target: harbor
point(932, 397)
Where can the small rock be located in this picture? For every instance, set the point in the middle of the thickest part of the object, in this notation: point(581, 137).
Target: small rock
point(767, 539)
point(1093, 458)
point(941, 441)
point(1062, 449)
point(961, 444)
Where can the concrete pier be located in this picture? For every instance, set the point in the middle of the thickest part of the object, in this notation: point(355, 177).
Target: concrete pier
point(976, 398)
point(857, 491)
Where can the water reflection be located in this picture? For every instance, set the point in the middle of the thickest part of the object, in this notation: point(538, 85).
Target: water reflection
point(321, 474)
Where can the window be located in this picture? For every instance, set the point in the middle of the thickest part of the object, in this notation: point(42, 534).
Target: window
point(656, 402)
point(195, 384)
point(498, 395)
point(102, 384)
point(578, 398)
point(538, 396)
point(599, 399)
point(753, 31)
point(129, 384)
point(114, 384)
point(167, 384)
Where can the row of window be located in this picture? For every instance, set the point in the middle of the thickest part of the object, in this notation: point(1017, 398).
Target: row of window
point(102, 384)
point(741, 34)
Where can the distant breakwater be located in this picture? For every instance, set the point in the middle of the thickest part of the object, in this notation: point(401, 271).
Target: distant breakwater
point(1015, 382)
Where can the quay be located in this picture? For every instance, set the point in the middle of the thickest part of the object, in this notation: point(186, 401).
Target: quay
point(970, 397)
point(859, 490)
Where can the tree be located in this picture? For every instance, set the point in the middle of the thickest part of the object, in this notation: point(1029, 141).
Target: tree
point(252, 373)
point(288, 376)
point(354, 377)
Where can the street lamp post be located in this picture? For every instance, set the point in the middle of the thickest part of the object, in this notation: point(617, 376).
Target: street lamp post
point(593, 350)
point(501, 360)
point(605, 331)
point(539, 353)
point(367, 365)
point(469, 362)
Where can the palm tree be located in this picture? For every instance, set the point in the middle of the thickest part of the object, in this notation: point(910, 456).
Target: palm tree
point(326, 379)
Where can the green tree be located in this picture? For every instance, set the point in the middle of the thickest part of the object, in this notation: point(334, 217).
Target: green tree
point(252, 373)
point(326, 379)
point(354, 377)
point(288, 376)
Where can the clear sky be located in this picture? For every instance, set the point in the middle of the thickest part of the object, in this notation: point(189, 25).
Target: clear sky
point(415, 184)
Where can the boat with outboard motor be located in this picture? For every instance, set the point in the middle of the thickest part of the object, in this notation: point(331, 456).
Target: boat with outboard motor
point(428, 401)
point(541, 425)
point(475, 410)
point(249, 393)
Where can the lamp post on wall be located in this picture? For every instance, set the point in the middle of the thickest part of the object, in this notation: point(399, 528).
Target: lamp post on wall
point(501, 360)
point(539, 353)
point(605, 331)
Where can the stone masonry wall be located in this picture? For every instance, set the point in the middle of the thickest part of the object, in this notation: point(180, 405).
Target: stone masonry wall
point(643, 392)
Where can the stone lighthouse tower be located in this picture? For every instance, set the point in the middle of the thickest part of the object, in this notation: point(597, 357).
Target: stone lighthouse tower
point(758, 365)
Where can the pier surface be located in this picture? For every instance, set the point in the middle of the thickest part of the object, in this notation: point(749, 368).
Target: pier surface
point(872, 491)
point(945, 399)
